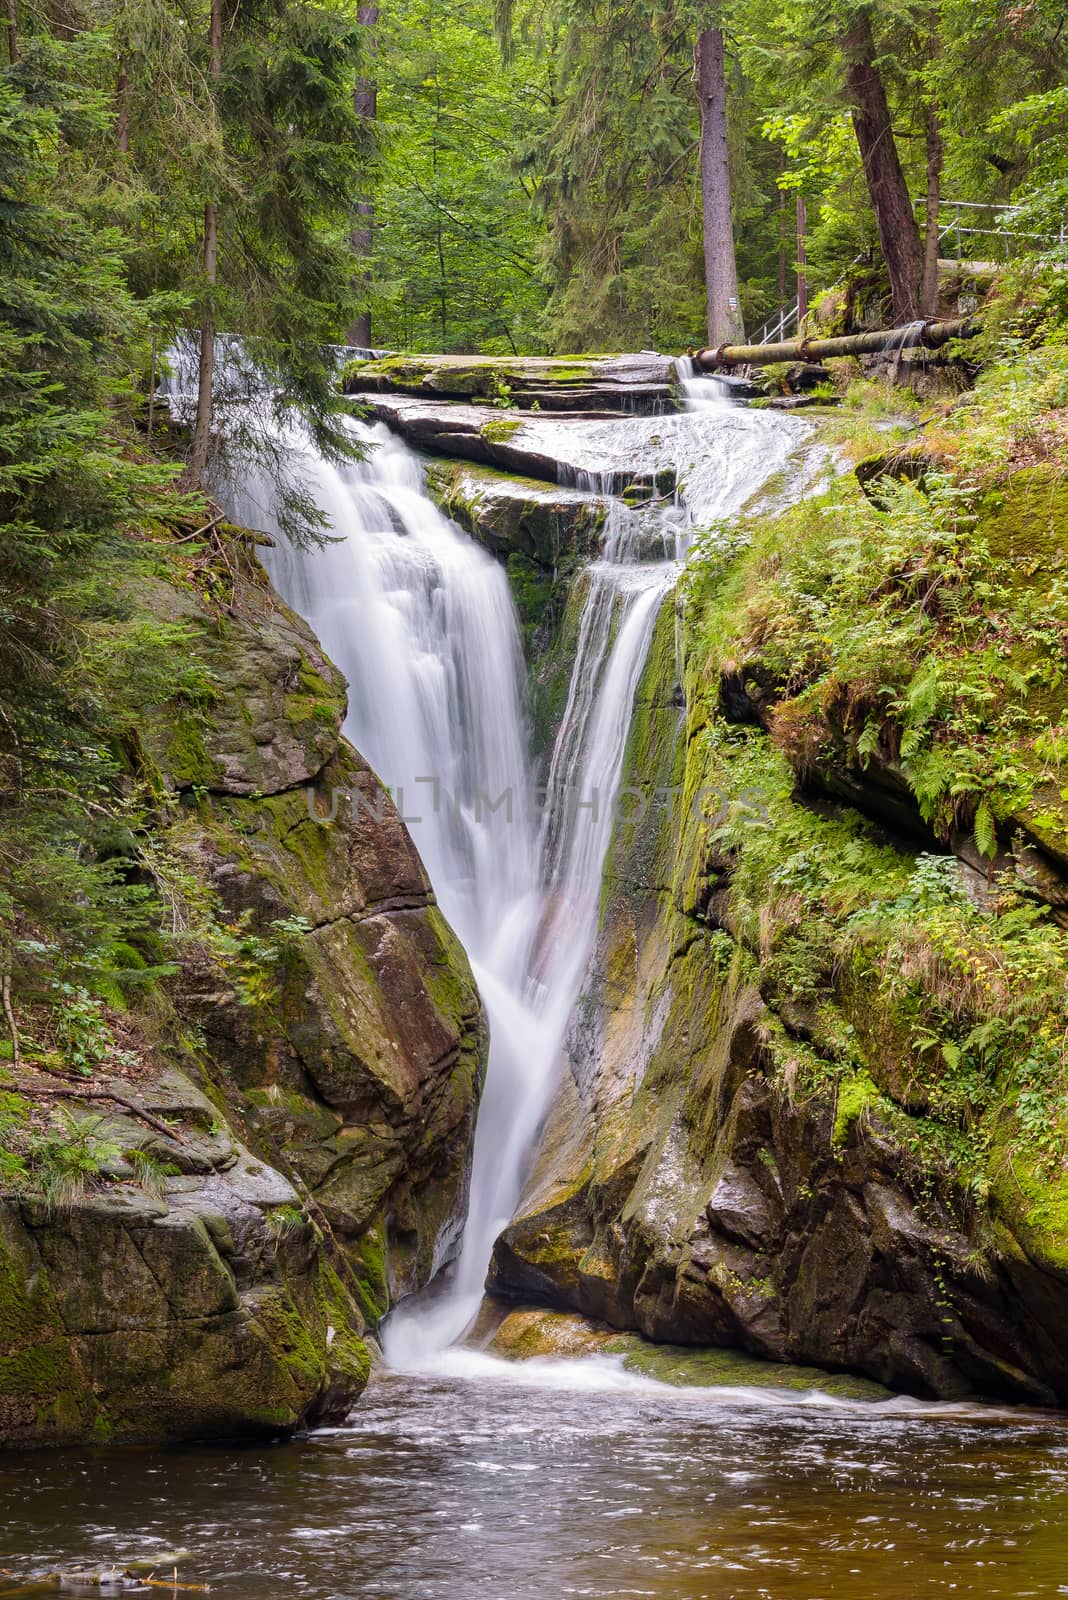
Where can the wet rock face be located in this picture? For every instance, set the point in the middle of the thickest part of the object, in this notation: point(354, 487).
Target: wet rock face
point(684, 1190)
point(510, 441)
point(519, 516)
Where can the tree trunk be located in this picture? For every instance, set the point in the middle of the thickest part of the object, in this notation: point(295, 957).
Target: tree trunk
point(899, 236)
point(12, 32)
point(362, 236)
point(935, 157)
point(721, 272)
point(198, 455)
point(122, 107)
point(781, 220)
point(802, 260)
point(12, 1025)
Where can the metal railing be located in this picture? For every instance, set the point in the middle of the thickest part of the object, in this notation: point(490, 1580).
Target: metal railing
point(778, 325)
point(962, 222)
point(955, 226)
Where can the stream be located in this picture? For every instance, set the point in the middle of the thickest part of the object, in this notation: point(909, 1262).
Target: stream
point(513, 1484)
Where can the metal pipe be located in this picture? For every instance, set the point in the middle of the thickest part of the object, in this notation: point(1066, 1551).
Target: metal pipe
point(927, 335)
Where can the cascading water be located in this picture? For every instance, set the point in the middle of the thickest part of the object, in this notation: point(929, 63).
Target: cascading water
point(421, 621)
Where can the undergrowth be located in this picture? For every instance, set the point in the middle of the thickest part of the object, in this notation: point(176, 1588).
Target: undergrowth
point(907, 640)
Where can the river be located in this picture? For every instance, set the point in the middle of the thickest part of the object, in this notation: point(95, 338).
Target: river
point(520, 1484)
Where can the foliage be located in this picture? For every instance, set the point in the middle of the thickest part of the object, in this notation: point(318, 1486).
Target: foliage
point(86, 508)
point(455, 233)
point(583, 145)
point(71, 478)
point(901, 635)
point(56, 1160)
point(894, 632)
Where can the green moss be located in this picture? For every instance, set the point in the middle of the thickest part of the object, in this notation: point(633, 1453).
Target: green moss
point(187, 759)
point(534, 590)
point(448, 976)
point(643, 841)
point(500, 430)
point(370, 1279)
point(1024, 521)
point(684, 1367)
point(314, 699)
point(1031, 1198)
point(549, 679)
point(856, 1094)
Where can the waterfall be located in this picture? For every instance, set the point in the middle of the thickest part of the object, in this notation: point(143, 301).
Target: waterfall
point(421, 621)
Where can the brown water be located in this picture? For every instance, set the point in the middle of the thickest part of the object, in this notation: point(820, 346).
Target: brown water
point(498, 1488)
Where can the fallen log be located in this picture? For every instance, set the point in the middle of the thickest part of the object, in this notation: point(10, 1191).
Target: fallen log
point(925, 335)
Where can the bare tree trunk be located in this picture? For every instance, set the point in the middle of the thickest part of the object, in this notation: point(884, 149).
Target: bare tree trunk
point(12, 32)
point(899, 235)
point(122, 107)
point(362, 237)
point(12, 1025)
point(198, 455)
point(935, 158)
point(915, 336)
point(721, 272)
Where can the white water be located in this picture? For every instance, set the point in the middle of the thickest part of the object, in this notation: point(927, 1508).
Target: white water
point(421, 621)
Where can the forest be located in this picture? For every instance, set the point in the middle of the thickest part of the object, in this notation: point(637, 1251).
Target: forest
point(658, 412)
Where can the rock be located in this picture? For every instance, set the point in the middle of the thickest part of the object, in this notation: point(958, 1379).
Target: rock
point(525, 1334)
point(644, 382)
point(533, 1333)
point(218, 1280)
point(365, 1069)
point(683, 1192)
point(911, 463)
point(209, 1310)
point(513, 441)
point(512, 515)
point(544, 536)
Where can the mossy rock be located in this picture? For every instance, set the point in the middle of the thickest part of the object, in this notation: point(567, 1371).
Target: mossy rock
point(687, 1368)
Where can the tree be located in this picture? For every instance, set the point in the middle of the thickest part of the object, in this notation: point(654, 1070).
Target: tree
point(72, 482)
point(244, 151)
point(198, 454)
point(456, 233)
point(365, 105)
point(721, 274)
point(891, 203)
